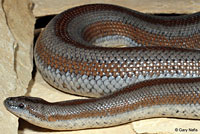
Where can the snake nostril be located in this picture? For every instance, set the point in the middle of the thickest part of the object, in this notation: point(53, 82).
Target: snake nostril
point(8, 101)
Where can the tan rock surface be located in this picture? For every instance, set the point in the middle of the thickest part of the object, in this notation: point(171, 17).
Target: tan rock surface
point(21, 22)
point(7, 73)
point(16, 36)
point(49, 7)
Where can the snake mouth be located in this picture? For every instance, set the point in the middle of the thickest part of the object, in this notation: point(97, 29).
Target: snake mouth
point(9, 103)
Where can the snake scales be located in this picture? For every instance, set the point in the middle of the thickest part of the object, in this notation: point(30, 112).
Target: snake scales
point(156, 75)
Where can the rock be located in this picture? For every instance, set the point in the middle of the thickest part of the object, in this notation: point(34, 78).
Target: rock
point(49, 7)
point(21, 22)
point(8, 77)
point(17, 26)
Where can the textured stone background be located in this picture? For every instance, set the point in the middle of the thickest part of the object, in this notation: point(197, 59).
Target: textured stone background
point(17, 19)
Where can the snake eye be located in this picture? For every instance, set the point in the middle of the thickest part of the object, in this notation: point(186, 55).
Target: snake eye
point(21, 105)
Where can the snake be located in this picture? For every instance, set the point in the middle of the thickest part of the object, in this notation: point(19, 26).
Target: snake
point(81, 51)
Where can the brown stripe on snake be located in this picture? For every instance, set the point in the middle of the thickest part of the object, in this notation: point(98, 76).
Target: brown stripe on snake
point(146, 102)
point(192, 19)
point(156, 75)
point(164, 100)
point(65, 112)
point(106, 28)
point(94, 68)
point(143, 37)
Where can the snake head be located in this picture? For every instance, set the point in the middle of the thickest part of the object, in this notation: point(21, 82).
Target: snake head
point(22, 106)
point(15, 105)
point(30, 109)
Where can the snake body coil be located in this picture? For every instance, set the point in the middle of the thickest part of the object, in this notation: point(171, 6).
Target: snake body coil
point(157, 75)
